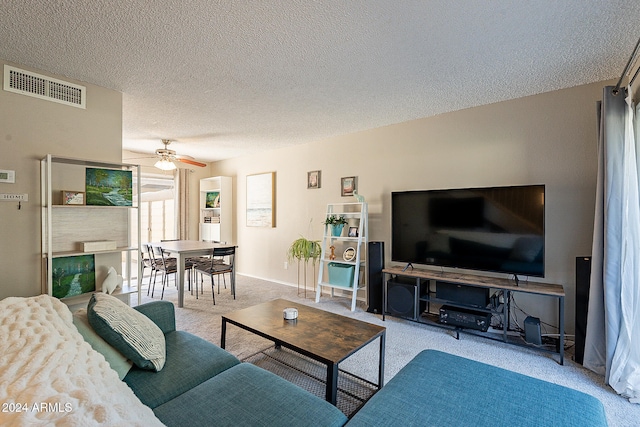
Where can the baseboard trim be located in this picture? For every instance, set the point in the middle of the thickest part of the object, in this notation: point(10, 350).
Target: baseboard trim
point(295, 285)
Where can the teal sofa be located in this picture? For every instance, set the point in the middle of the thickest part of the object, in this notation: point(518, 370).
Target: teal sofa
point(440, 389)
point(204, 385)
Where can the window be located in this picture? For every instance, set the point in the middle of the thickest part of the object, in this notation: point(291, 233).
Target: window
point(157, 211)
point(157, 208)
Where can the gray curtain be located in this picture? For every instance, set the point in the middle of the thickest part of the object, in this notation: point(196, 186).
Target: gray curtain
point(183, 203)
point(613, 324)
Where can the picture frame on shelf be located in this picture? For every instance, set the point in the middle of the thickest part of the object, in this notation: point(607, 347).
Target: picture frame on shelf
point(261, 191)
point(72, 197)
point(313, 179)
point(349, 254)
point(212, 199)
point(73, 275)
point(353, 232)
point(109, 187)
point(348, 185)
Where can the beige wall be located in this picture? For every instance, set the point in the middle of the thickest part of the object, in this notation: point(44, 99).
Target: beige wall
point(32, 128)
point(545, 139)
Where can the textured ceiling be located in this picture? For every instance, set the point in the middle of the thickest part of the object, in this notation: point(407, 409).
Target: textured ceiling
point(228, 78)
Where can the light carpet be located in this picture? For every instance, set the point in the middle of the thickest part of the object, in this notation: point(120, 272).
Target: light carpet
point(404, 340)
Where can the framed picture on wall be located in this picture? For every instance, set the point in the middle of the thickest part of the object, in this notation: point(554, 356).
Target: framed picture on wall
point(348, 185)
point(313, 179)
point(261, 193)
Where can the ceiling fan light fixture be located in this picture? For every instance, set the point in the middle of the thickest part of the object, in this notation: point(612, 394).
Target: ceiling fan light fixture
point(165, 164)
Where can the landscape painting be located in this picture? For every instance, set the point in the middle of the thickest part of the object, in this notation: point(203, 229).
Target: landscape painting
point(213, 199)
point(261, 200)
point(109, 187)
point(73, 275)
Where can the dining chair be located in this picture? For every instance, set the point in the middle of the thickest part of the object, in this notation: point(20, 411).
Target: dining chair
point(147, 262)
point(188, 260)
point(222, 261)
point(167, 266)
point(219, 259)
point(155, 259)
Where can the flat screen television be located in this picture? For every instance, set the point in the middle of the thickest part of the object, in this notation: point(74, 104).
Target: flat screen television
point(497, 229)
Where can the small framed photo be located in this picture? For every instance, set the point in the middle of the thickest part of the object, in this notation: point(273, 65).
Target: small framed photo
point(313, 179)
point(348, 185)
point(349, 254)
point(353, 232)
point(72, 197)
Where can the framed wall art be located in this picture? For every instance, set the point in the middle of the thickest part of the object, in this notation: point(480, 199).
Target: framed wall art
point(72, 197)
point(313, 179)
point(109, 187)
point(261, 192)
point(73, 275)
point(348, 185)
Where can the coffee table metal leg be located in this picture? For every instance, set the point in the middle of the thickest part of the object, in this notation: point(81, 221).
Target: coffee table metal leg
point(381, 362)
point(223, 334)
point(332, 383)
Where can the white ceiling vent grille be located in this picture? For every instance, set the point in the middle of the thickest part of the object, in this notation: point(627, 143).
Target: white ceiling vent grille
point(43, 87)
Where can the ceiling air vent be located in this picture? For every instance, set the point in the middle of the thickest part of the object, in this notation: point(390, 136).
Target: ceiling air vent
point(43, 87)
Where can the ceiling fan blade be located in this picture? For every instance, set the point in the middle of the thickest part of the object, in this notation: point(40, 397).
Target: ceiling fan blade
point(191, 162)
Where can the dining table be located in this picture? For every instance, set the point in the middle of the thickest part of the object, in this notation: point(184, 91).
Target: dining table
point(183, 249)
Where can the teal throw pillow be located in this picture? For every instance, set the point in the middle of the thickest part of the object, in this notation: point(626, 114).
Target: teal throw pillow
point(132, 333)
point(116, 360)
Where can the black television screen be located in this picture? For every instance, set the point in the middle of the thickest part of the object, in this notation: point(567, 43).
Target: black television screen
point(499, 229)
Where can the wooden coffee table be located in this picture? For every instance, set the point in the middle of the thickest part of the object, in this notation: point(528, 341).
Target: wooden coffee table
point(322, 336)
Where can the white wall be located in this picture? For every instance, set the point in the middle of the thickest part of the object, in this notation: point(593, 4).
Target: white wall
point(544, 139)
point(32, 128)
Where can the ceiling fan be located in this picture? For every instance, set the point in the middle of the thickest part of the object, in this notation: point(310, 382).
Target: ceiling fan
point(168, 157)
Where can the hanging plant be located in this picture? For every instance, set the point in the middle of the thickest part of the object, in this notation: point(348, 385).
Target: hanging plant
point(305, 250)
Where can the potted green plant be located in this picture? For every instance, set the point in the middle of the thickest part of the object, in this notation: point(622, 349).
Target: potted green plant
point(303, 249)
point(336, 224)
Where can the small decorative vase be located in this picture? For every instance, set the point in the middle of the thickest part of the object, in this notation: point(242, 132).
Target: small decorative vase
point(336, 230)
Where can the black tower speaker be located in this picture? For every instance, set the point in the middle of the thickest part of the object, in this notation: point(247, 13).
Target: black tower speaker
point(375, 265)
point(583, 280)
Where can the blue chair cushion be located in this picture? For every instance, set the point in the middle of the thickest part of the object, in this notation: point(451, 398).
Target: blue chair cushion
point(190, 361)
point(246, 395)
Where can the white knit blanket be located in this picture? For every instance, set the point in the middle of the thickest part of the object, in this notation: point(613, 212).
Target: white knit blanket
point(50, 376)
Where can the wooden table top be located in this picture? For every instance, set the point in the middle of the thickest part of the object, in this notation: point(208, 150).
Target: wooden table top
point(481, 281)
point(326, 336)
point(185, 246)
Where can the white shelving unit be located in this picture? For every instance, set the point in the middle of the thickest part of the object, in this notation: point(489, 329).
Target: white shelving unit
point(356, 215)
point(216, 220)
point(66, 227)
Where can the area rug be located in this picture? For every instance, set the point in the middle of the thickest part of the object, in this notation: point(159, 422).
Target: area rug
point(353, 392)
